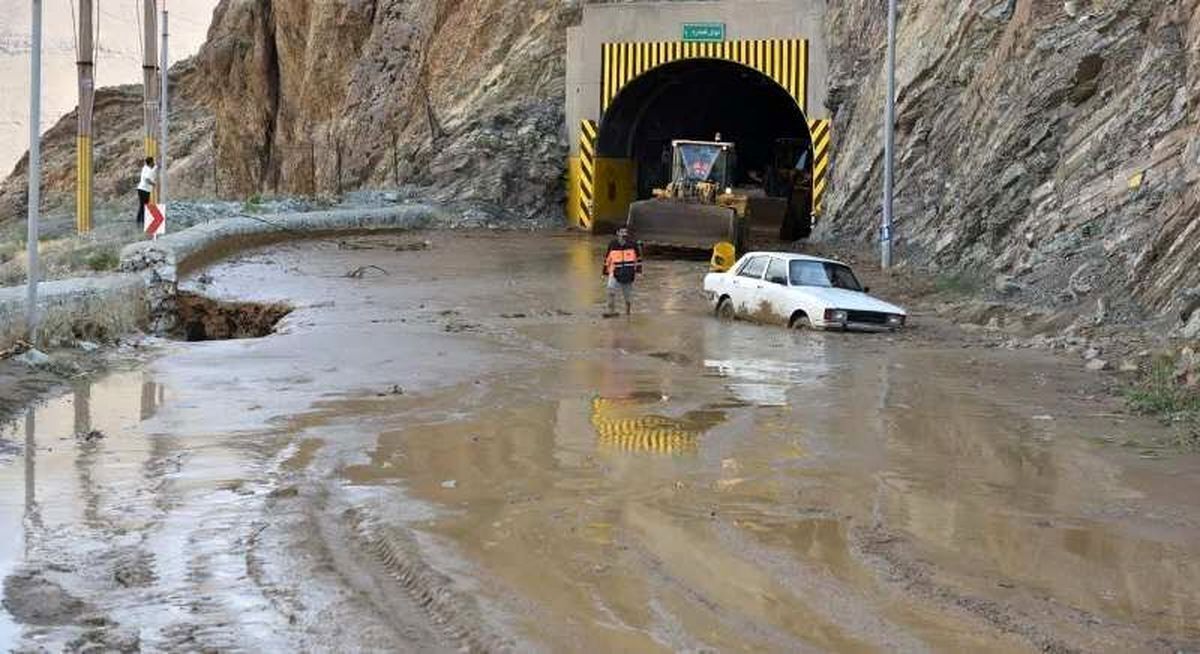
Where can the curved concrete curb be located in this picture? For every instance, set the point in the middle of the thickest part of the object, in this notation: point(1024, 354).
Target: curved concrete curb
point(193, 247)
point(162, 261)
point(144, 291)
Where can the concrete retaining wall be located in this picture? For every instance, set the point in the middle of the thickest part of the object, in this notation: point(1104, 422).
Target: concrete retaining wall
point(90, 308)
point(144, 293)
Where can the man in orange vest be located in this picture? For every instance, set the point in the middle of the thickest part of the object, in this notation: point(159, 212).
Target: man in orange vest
point(622, 264)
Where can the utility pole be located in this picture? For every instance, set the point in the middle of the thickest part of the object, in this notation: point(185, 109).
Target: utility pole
point(83, 140)
point(162, 142)
point(889, 142)
point(35, 168)
point(149, 88)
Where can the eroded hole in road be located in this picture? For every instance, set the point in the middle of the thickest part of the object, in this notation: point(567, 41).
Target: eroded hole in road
point(205, 319)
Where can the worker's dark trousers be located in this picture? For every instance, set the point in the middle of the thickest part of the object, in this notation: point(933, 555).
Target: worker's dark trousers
point(143, 198)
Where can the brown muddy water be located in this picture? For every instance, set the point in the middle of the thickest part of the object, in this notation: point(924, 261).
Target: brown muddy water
point(453, 451)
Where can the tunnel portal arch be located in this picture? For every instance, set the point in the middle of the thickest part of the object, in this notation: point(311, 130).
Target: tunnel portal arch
point(698, 99)
point(756, 105)
point(620, 55)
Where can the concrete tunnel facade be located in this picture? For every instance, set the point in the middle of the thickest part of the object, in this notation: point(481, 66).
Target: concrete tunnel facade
point(641, 74)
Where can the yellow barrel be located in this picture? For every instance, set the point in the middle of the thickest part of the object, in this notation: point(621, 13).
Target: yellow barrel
point(723, 257)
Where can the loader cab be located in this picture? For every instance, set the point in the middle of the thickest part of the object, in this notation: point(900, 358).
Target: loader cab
point(695, 162)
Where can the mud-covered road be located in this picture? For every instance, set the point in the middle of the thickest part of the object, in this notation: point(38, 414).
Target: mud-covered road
point(453, 450)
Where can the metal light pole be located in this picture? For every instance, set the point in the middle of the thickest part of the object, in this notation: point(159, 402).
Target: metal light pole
point(162, 120)
point(889, 142)
point(35, 168)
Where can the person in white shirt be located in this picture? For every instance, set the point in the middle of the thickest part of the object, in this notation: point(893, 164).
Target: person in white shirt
point(145, 186)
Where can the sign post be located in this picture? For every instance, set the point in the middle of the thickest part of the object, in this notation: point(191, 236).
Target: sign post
point(703, 32)
point(156, 220)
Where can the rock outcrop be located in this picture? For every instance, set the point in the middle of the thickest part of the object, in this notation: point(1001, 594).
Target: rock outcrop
point(1054, 142)
point(308, 97)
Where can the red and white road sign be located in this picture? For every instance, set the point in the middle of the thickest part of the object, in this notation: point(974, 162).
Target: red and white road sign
point(156, 220)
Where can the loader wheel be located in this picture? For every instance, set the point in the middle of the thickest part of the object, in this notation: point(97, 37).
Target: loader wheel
point(725, 309)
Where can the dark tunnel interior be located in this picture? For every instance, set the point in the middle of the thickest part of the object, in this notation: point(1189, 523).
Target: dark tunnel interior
point(697, 99)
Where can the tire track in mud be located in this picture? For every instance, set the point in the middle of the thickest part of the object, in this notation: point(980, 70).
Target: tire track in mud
point(455, 617)
point(365, 585)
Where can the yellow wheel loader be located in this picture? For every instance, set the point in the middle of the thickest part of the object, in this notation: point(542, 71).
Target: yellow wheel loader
point(699, 208)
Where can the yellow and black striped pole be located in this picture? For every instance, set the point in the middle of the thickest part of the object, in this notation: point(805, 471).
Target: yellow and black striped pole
point(83, 140)
point(150, 81)
point(587, 173)
point(822, 133)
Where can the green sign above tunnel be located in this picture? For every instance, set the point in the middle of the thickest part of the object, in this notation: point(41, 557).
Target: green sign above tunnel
point(703, 32)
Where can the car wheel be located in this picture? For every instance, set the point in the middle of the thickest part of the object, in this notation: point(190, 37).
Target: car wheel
point(725, 309)
point(801, 322)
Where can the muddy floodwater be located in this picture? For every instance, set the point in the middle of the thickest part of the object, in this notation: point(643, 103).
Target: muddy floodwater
point(447, 448)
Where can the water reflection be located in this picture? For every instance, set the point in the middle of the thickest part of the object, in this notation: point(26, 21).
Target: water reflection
point(72, 455)
point(622, 423)
point(32, 516)
point(737, 354)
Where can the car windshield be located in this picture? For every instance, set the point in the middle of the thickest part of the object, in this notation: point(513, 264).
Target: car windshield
point(820, 273)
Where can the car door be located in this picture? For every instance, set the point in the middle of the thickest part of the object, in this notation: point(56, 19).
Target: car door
point(774, 292)
point(747, 284)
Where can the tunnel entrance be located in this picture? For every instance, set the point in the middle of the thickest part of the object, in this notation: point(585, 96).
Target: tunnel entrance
point(699, 99)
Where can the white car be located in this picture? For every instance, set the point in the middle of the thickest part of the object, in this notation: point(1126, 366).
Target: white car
point(799, 291)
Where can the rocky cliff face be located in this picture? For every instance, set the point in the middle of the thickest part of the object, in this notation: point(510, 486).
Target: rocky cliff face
point(302, 96)
point(1052, 142)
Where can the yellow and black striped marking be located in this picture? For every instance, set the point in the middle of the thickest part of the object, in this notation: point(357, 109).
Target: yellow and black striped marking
point(783, 60)
point(83, 184)
point(619, 426)
point(587, 173)
point(646, 433)
point(822, 133)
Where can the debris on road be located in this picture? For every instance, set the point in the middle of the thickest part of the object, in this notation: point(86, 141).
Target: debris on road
point(20, 347)
point(90, 436)
point(361, 271)
point(33, 358)
point(414, 246)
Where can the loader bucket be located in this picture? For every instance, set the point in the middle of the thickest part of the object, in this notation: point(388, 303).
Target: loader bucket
point(685, 225)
